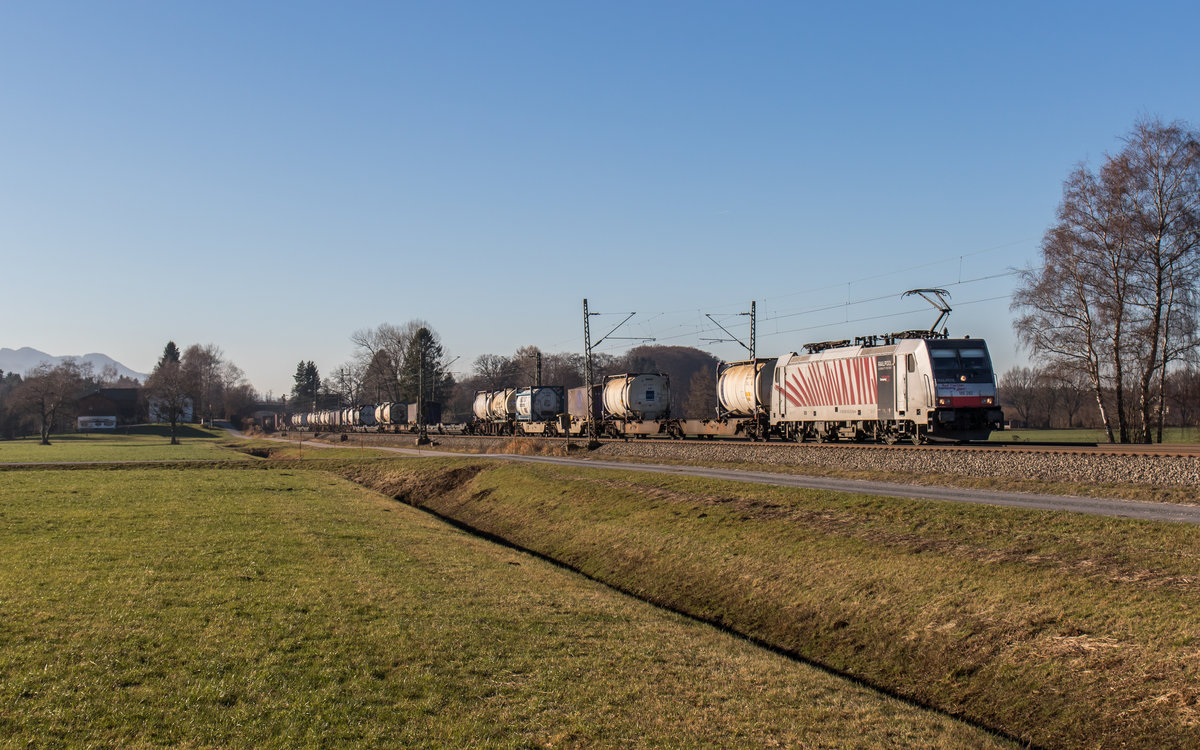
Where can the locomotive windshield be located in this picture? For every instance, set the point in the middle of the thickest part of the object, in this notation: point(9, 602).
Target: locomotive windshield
point(964, 363)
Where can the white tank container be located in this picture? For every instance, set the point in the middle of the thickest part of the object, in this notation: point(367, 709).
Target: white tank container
point(501, 404)
point(397, 413)
point(644, 396)
point(743, 386)
point(537, 404)
point(479, 407)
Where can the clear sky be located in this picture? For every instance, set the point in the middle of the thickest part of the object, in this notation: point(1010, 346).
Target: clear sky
point(270, 177)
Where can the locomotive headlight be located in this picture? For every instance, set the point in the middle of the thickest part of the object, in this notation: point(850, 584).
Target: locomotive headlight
point(988, 400)
point(941, 402)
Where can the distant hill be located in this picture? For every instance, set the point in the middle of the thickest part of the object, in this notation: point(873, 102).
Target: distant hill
point(25, 359)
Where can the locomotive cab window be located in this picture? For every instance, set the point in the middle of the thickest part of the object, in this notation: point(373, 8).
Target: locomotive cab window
point(968, 364)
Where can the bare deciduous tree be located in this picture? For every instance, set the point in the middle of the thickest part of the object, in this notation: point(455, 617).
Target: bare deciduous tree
point(169, 391)
point(379, 353)
point(48, 391)
point(202, 369)
point(1114, 299)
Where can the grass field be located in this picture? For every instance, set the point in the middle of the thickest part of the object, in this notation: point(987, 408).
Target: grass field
point(279, 606)
point(1062, 629)
point(277, 450)
point(152, 445)
point(1170, 435)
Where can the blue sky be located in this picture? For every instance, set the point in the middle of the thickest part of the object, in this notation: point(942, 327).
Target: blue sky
point(270, 177)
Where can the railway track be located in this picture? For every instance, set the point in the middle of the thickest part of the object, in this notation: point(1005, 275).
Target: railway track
point(1093, 449)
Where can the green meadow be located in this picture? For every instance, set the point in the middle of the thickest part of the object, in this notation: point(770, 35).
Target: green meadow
point(279, 605)
point(196, 444)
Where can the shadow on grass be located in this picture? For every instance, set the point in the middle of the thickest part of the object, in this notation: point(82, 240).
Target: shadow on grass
point(164, 430)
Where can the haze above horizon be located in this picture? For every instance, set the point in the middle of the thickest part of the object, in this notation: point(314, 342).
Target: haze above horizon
point(271, 178)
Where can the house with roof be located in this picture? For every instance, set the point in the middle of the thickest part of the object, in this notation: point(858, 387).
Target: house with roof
point(109, 408)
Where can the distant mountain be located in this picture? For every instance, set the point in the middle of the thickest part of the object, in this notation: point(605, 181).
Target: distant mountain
point(25, 359)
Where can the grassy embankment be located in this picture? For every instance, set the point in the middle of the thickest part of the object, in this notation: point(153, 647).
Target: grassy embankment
point(280, 606)
point(1064, 630)
point(1158, 493)
point(1162, 493)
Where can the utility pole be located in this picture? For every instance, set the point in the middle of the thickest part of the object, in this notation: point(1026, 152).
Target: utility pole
point(537, 383)
point(593, 442)
point(422, 433)
point(593, 438)
point(753, 329)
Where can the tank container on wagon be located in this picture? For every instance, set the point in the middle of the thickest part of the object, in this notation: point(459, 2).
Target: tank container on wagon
point(385, 414)
point(433, 413)
point(642, 396)
point(581, 407)
point(539, 403)
point(479, 407)
point(502, 404)
point(744, 388)
point(366, 416)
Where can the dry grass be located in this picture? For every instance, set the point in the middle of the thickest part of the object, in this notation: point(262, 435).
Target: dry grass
point(529, 447)
point(1061, 629)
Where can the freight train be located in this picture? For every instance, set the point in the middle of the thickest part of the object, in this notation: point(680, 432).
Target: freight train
point(917, 386)
point(386, 417)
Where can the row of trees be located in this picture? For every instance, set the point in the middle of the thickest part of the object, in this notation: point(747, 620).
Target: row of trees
point(45, 398)
point(1054, 398)
point(201, 377)
point(389, 364)
point(1116, 299)
point(692, 373)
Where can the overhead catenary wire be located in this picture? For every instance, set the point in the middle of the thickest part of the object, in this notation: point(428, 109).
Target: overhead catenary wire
point(697, 326)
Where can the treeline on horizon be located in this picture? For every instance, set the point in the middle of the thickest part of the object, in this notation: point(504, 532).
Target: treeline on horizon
point(44, 400)
point(387, 366)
